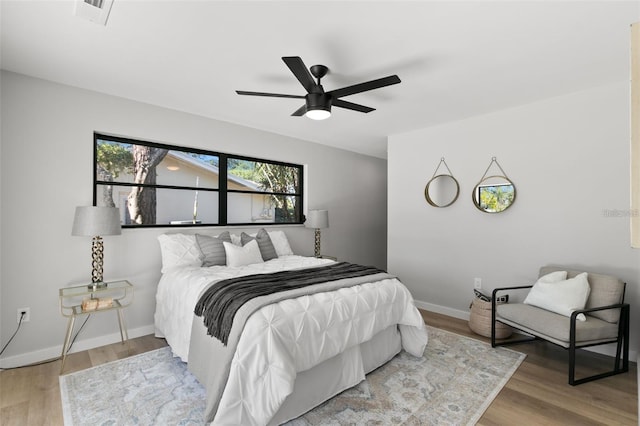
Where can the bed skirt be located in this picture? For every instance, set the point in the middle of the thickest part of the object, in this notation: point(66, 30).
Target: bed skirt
point(343, 371)
point(327, 379)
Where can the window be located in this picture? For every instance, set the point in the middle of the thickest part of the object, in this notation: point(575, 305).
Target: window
point(163, 185)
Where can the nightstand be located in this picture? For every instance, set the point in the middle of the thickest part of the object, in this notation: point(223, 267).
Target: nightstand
point(71, 305)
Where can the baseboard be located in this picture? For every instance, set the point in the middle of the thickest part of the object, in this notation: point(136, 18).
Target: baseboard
point(80, 345)
point(609, 350)
point(444, 310)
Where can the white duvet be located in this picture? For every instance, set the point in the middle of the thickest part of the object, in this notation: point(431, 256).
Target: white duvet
point(179, 290)
point(287, 337)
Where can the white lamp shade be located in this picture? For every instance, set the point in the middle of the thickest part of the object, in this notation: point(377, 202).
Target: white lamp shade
point(317, 219)
point(91, 221)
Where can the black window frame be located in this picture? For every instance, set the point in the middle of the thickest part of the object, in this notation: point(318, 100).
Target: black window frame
point(222, 189)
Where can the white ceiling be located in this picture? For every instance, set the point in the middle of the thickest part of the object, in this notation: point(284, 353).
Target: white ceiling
point(456, 59)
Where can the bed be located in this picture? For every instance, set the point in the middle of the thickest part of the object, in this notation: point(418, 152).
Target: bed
point(286, 352)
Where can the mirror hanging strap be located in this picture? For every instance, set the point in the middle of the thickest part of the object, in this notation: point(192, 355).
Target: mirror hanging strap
point(439, 164)
point(493, 161)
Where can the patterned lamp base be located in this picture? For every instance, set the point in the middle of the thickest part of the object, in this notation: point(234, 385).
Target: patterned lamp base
point(97, 262)
point(317, 244)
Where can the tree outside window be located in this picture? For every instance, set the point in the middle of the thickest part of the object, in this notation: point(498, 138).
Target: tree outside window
point(164, 185)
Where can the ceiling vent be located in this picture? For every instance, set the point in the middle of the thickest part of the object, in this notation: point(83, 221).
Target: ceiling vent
point(94, 10)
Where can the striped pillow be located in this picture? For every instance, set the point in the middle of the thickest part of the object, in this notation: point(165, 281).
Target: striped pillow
point(212, 248)
point(267, 250)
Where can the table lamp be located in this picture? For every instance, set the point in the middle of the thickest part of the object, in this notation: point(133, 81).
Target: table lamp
point(93, 221)
point(317, 219)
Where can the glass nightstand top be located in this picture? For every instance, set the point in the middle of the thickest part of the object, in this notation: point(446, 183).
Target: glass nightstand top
point(84, 289)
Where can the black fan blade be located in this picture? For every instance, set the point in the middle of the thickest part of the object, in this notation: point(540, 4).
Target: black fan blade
point(350, 105)
point(273, 95)
point(300, 70)
point(300, 111)
point(363, 87)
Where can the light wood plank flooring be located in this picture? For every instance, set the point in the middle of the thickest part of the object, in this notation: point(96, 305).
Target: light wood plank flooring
point(537, 393)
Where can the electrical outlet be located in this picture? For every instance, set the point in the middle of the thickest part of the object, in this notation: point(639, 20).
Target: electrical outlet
point(477, 283)
point(27, 315)
point(502, 299)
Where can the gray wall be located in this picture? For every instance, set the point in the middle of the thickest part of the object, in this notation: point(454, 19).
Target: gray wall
point(569, 159)
point(46, 171)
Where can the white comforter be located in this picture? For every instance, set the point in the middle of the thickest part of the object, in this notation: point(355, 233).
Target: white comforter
point(287, 337)
point(179, 290)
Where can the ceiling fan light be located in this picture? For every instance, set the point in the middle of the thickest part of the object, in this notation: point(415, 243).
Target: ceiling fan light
point(318, 106)
point(318, 114)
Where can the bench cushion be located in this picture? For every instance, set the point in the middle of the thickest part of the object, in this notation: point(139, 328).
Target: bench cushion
point(554, 327)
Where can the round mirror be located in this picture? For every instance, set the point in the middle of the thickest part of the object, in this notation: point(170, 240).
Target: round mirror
point(494, 194)
point(442, 191)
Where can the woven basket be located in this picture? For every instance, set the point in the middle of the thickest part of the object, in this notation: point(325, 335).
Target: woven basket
point(480, 320)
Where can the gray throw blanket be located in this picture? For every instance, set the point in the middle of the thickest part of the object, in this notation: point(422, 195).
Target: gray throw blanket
point(220, 302)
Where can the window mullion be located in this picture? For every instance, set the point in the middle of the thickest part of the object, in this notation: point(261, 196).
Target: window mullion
point(222, 186)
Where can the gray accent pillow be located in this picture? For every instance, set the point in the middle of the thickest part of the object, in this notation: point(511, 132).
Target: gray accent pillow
point(212, 248)
point(267, 250)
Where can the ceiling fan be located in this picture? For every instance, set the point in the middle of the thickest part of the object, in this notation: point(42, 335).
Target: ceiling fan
point(318, 103)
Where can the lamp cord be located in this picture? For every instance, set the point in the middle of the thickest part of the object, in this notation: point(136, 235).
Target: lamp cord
point(46, 361)
point(14, 334)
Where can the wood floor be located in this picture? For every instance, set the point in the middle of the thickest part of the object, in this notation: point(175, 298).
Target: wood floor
point(537, 393)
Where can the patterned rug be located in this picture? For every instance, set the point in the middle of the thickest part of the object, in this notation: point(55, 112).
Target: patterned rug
point(452, 385)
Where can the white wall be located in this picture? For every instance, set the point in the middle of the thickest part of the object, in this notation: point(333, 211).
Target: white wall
point(47, 139)
point(569, 159)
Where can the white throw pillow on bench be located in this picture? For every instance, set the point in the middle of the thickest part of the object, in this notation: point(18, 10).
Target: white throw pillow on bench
point(556, 294)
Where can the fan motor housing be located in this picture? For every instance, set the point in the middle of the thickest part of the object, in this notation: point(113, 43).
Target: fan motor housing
point(318, 101)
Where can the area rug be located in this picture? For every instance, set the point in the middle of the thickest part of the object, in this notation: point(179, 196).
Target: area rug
point(452, 385)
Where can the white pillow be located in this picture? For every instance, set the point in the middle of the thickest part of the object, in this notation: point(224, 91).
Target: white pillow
point(242, 255)
point(179, 250)
point(561, 297)
point(280, 243)
point(553, 277)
